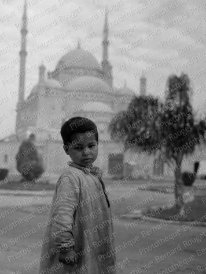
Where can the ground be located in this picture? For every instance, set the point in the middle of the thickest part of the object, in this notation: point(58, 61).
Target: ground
point(142, 247)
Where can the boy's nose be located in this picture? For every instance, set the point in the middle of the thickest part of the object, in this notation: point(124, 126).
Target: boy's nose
point(85, 151)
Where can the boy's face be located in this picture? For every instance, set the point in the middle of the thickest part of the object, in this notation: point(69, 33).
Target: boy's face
point(84, 149)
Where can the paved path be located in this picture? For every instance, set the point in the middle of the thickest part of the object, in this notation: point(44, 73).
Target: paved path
point(23, 198)
point(142, 247)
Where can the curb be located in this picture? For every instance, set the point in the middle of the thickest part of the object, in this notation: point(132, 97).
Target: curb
point(26, 192)
point(138, 215)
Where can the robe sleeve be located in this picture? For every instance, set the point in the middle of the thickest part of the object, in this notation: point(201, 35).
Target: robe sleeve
point(64, 207)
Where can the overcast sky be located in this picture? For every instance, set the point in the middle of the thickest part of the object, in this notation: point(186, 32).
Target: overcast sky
point(157, 37)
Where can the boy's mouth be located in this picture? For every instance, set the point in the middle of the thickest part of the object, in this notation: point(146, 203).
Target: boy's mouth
point(87, 159)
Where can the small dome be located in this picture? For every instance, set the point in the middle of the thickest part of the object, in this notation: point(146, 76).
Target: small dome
point(78, 58)
point(52, 83)
point(125, 91)
point(89, 84)
point(96, 107)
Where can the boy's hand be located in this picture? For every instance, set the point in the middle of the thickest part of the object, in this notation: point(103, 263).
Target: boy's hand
point(70, 257)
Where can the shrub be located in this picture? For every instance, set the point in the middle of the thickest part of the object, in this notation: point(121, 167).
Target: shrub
point(3, 173)
point(188, 178)
point(28, 161)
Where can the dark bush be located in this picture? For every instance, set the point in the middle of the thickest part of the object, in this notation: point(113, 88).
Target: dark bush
point(3, 173)
point(188, 178)
point(28, 161)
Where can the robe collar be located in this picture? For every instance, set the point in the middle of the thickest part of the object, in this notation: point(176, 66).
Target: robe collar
point(94, 170)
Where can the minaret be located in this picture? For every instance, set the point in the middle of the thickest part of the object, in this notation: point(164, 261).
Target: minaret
point(105, 41)
point(23, 54)
point(143, 85)
point(22, 73)
point(106, 66)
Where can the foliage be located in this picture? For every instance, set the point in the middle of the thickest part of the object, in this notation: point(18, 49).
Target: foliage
point(138, 126)
point(178, 89)
point(177, 131)
point(180, 132)
point(28, 162)
point(149, 125)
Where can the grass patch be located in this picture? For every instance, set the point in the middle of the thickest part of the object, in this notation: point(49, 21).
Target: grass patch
point(161, 189)
point(193, 211)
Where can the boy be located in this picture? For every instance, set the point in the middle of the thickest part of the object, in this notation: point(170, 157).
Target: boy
point(79, 236)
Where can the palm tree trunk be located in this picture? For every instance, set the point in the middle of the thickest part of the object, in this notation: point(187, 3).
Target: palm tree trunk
point(178, 189)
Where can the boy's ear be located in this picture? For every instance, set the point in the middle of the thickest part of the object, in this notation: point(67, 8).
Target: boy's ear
point(66, 149)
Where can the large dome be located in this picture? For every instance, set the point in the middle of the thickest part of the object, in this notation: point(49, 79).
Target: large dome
point(78, 58)
point(89, 84)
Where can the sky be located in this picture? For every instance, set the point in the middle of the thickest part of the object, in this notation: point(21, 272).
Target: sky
point(156, 38)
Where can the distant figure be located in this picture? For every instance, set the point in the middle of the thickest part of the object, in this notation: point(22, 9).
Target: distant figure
point(188, 178)
point(79, 236)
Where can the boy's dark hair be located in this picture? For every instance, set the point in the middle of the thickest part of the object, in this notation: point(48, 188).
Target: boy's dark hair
point(77, 125)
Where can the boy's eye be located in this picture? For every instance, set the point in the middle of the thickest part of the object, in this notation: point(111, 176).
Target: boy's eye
point(93, 145)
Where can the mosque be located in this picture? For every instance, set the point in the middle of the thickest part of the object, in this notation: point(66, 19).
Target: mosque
point(79, 85)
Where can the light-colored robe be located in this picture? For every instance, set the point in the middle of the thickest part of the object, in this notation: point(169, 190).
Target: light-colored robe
point(81, 216)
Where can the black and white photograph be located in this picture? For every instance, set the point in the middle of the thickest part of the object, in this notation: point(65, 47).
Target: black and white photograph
point(103, 137)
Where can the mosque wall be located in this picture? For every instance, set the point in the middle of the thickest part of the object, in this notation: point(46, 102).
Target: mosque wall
point(135, 165)
point(50, 112)
point(8, 151)
point(72, 104)
point(56, 161)
point(102, 120)
point(106, 149)
point(91, 96)
point(55, 158)
point(141, 164)
point(74, 101)
point(28, 114)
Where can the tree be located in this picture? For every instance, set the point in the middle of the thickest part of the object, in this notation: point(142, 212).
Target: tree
point(149, 125)
point(180, 131)
point(28, 161)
